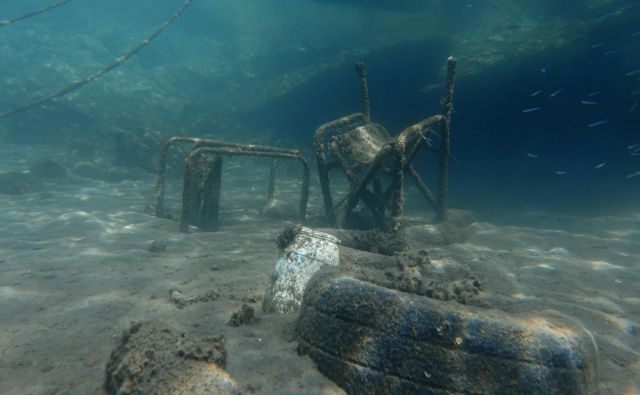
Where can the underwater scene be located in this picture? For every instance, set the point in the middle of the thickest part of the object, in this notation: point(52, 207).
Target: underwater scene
point(319, 197)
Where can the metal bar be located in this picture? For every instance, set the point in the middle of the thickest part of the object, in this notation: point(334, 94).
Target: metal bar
point(199, 142)
point(364, 90)
point(445, 126)
point(186, 197)
point(355, 193)
point(321, 158)
point(210, 209)
point(422, 187)
point(304, 194)
point(397, 204)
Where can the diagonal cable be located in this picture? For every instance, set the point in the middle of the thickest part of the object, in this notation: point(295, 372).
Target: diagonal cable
point(5, 22)
point(119, 60)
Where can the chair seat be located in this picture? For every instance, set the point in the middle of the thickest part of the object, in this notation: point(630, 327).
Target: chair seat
point(363, 143)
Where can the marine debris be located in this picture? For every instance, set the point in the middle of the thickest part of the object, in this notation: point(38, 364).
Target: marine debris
point(368, 155)
point(370, 339)
point(118, 61)
point(6, 22)
point(202, 178)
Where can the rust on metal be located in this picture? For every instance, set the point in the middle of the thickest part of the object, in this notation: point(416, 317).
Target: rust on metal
point(366, 154)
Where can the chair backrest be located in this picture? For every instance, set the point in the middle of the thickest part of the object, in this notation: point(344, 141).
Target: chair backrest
point(361, 144)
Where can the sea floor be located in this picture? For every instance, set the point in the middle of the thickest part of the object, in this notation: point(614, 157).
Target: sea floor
point(77, 267)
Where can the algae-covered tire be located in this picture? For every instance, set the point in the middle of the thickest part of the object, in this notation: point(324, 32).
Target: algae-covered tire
point(373, 340)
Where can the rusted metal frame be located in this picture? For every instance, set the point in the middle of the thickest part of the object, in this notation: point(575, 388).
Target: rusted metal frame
point(410, 168)
point(416, 130)
point(187, 189)
point(422, 187)
point(374, 205)
point(397, 203)
point(397, 150)
point(445, 126)
point(356, 193)
point(379, 192)
point(364, 90)
point(191, 159)
point(324, 166)
point(419, 131)
point(346, 167)
point(162, 164)
point(210, 209)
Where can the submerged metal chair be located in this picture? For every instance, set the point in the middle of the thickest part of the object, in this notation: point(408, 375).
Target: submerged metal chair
point(203, 175)
point(374, 163)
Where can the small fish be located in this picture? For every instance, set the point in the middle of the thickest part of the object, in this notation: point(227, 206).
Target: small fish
point(589, 103)
point(637, 173)
point(633, 146)
point(543, 70)
point(532, 109)
point(634, 106)
point(600, 165)
point(597, 45)
point(536, 93)
point(632, 73)
point(556, 93)
point(561, 172)
point(608, 53)
point(594, 124)
point(592, 94)
point(534, 156)
point(636, 34)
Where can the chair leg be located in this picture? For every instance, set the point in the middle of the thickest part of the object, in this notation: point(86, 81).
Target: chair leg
point(397, 205)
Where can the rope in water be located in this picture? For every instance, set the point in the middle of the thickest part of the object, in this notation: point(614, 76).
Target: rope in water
point(119, 60)
point(5, 22)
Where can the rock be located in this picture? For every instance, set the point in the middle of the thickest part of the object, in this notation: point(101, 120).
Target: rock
point(47, 168)
point(296, 263)
point(244, 316)
point(152, 358)
point(17, 183)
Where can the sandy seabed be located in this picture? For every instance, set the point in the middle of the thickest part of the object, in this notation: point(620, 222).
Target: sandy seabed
point(77, 267)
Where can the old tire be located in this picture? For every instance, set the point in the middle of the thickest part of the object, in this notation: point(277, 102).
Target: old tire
point(373, 340)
